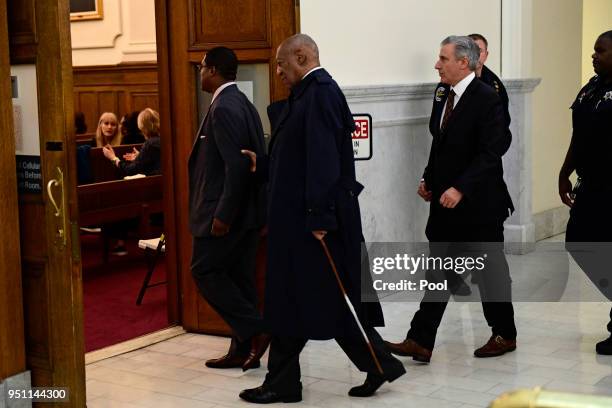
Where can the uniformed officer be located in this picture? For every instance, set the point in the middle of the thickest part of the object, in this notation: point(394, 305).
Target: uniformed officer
point(589, 155)
point(488, 77)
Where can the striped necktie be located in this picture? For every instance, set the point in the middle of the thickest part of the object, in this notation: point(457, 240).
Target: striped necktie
point(450, 102)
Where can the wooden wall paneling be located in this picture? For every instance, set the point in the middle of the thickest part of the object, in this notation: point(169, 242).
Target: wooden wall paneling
point(142, 100)
point(116, 88)
point(284, 24)
point(86, 102)
point(107, 102)
point(174, 289)
point(22, 31)
point(237, 24)
point(12, 347)
point(123, 104)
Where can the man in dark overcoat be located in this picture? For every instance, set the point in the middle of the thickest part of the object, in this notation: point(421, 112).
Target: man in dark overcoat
point(312, 195)
point(227, 209)
point(469, 200)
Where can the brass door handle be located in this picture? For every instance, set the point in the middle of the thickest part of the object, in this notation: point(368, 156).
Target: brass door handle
point(59, 209)
point(52, 183)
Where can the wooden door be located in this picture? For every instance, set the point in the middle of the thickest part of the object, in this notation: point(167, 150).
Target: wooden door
point(185, 30)
point(12, 349)
point(40, 51)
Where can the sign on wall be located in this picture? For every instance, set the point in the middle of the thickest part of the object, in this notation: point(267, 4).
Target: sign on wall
point(362, 136)
point(25, 119)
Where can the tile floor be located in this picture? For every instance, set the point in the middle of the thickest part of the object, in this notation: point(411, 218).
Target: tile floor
point(555, 350)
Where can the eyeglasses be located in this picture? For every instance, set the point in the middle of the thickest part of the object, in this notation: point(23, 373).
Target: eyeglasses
point(201, 66)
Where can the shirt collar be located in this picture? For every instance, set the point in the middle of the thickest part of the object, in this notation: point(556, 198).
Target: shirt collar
point(462, 85)
point(221, 88)
point(312, 70)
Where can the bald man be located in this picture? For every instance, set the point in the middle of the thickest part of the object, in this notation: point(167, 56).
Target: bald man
point(312, 195)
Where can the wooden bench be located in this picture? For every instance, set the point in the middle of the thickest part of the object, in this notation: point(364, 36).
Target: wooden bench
point(121, 200)
point(103, 169)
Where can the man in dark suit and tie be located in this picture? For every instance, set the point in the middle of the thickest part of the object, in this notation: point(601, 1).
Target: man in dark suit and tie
point(226, 209)
point(469, 201)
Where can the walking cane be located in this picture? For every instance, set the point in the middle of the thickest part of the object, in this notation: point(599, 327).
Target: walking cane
point(351, 308)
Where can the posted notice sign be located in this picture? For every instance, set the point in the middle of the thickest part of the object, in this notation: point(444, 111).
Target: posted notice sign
point(362, 136)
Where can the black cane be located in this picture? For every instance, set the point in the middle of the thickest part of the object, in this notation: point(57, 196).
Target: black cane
point(350, 306)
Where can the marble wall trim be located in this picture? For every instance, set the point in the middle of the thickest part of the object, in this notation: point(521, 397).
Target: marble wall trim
point(377, 93)
point(391, 209)
point(417, 120)
point(550, 222)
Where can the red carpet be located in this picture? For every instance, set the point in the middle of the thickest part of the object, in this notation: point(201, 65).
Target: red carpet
point(110, 291)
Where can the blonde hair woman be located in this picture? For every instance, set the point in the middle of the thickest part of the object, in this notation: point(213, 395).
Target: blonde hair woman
point(148, 160)
point(107, 132)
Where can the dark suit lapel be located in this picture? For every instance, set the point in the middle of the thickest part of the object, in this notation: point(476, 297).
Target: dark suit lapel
point(440, 98)
point(463, 102)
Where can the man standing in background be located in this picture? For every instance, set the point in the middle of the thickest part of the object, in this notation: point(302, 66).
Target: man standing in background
point(488, 77)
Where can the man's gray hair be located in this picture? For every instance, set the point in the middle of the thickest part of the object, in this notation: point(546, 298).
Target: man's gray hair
point(465, 47)
point(303, 40)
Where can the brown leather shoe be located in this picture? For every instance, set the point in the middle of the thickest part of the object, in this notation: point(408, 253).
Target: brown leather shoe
point(409, 348)
point(227, 361)
point(496, 346)
point(259, 345)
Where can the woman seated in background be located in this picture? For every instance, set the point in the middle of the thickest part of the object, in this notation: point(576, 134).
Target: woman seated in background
point(107, 132)
point(128, 127)
point(147, 161)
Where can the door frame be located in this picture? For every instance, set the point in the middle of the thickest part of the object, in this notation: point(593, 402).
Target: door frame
point(177, 57)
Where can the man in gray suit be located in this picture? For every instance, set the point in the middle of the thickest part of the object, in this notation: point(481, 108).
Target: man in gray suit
point(226, 209)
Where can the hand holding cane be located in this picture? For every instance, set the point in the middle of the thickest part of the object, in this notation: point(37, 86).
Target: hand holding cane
point(350, 306)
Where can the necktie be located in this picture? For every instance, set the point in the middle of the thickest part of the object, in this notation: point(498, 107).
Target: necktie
point(450, 102)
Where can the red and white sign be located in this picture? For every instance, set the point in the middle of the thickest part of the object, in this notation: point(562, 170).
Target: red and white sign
point(362, 136)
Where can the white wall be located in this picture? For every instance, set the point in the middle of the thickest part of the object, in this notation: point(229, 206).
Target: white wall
point(125, 34)
point(364, 42)
point(557, 59)
point(596, 19)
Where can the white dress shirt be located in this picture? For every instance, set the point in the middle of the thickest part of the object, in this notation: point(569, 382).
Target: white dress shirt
point(459, 90)
point(312, 70)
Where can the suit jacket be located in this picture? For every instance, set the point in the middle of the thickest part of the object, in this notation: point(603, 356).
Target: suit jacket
point(467, 155)
point(220, 181)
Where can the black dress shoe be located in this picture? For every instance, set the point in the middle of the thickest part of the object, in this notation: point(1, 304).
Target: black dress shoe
point(228, 361)
point(264, 395)
point(369, 387)
point(259, 345)
point(604, 347)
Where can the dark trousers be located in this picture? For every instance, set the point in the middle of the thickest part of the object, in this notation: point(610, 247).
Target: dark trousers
point(590, 222)
point(224, 271)
point(494, 281)
point(284, 360)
